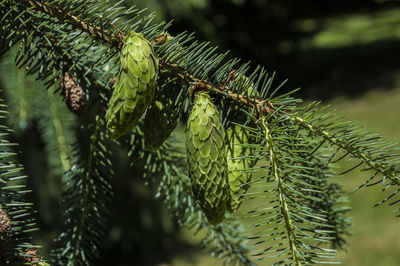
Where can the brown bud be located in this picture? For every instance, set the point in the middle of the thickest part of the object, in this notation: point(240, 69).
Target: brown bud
point(5, 225)
point(31, 255)
point(73, 94)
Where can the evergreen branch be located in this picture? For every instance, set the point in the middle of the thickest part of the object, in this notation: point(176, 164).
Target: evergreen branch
point(77, 241)
point(78, 23)
point(50, 54)
point(353, 147)
point(225, 241)
point(85, 201)
point(334, 203)
point(301, 208)
point(42, 109)
point(282, 194)
point(263, 106)
point(299, 214)
point(17, 220)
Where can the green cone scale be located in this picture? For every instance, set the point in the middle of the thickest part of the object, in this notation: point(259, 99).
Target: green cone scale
point(238, 150)
point(238, 163)
point(135, 86)
point(162, 116)
point(206, 152)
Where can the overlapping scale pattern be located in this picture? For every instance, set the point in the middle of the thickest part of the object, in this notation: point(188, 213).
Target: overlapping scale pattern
point(238, 162)
point(135, 86)
point(238, 144)
point(206, 152)
point(162, 116)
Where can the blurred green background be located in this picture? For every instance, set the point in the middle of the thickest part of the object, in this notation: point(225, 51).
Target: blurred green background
point(346, 53)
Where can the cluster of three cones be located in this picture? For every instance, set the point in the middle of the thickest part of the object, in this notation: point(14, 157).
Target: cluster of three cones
point(217, 175)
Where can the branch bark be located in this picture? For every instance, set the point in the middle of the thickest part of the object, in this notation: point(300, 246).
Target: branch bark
point(115, 39)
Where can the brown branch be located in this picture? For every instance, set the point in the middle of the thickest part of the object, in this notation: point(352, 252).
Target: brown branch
point(116, 40)
point(263, 106)
point(81, 24)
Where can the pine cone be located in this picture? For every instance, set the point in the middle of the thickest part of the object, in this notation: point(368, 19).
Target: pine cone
point(73, 94)
point(135, 86)
point(236, 136)
point(32, 256)
point(162, 117)
point(5, 225)
point(237, 164)
point(205, 143)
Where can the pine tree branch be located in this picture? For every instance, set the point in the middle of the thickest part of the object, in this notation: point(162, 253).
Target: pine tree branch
point(85, 201)
point(289, 154)
point(115, 39)
point(225, 241)
point(16, 212)
point(351, 149)
point(282, 195)
point(85, 204)
point(78, 23)
point(43, 44)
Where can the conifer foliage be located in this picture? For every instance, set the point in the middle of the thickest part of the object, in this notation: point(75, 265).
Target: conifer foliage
point(16, 214)
point(246, 143)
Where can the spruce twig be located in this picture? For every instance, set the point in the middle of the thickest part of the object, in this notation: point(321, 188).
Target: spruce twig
point(115, 39)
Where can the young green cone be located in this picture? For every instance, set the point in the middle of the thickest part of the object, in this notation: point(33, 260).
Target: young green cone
point(206, 152)
point(135, 86)
point(162, 116)
point(236, 153)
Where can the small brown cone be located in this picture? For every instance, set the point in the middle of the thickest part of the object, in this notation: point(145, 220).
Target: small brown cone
point(73, 94)
point(32, 255)
point(5, 225)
